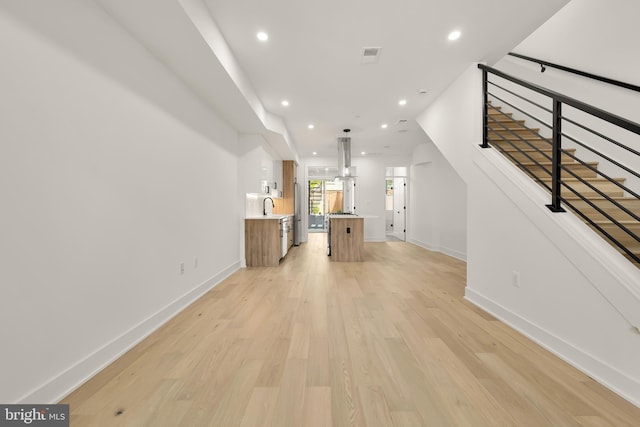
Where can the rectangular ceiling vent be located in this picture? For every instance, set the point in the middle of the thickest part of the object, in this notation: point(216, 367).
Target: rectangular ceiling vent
point(402, 122)
point(370, 55)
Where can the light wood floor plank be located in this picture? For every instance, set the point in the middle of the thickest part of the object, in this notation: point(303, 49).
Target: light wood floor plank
point(261, 407)
point(317, 407)
point(386, 342)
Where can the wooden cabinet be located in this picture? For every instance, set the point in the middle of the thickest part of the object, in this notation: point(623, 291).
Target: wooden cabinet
point(262, 242)
point(347, 238)
point(285, 205)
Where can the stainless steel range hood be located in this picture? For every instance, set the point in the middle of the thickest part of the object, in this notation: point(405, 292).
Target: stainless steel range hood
point(345, 170)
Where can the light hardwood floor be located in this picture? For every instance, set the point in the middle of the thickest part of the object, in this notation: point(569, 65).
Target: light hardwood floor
point(386, 342)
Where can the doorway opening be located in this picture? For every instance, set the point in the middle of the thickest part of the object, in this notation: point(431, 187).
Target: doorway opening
point(396, 204)
point(327, 195)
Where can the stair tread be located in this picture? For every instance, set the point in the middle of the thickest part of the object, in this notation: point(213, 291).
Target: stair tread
point(502, 118)
point(545, 163)
point(499, 136)
point(516, 129)
point(623, 222)
point(616, 198)
point(585, 179)
point(536, 150)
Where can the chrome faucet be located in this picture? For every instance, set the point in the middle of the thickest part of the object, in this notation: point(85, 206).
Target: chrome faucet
point(264, 206)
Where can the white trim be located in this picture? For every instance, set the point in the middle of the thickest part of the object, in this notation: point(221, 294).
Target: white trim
point(453, 253)
point(602, 372)
point(423, 245)
point(63, 384)
point(444, 250)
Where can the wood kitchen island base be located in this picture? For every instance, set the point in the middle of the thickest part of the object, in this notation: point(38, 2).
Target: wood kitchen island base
point(347, 238)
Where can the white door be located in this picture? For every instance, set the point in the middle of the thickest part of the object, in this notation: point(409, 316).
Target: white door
point(399, 207)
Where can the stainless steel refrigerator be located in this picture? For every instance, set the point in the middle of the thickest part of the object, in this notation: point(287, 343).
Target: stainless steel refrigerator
point(297, 219)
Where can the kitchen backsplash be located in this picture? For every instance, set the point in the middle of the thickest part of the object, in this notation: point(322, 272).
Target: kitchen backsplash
point(253, 204)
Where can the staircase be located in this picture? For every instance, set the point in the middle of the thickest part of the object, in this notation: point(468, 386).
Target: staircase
point(532, 153)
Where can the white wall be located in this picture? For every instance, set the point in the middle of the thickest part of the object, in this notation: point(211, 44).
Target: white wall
point(452, 121)
point(104, 192)
point(438, 210)
point(577, 296)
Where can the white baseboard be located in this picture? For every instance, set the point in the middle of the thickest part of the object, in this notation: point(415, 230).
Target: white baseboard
point(423, 245)
point(600, 371)
point(447, 251)
point(60, 386)
point(453, 253)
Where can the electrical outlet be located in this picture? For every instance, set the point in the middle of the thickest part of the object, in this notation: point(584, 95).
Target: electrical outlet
point(182, 268)
point(516, 279)
point(195, 262)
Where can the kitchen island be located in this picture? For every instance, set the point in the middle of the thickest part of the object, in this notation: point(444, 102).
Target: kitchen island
point(346, 238)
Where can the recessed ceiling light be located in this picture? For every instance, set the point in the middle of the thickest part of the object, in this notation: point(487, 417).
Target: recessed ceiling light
point(384, 126)
point(454, 35)
point(262, 36)
point(285, 103)
point(314, 153)
point(363, 153)
point(402, 102)
point(310, 126)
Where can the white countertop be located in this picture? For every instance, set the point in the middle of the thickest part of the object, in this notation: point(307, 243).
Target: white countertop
point(270, 216)
point(345, 216)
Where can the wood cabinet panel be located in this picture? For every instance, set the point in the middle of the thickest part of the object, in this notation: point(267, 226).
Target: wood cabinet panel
point(347, 239)
point(285, 205)
point(262, 242)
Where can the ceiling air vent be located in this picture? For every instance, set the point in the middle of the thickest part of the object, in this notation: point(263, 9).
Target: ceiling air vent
point(370, 55)
point(402, 122)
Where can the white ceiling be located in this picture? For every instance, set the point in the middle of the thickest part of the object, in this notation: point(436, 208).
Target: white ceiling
point(313, 59)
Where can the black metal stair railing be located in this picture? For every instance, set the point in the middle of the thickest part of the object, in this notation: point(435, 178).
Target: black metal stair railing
point(525, 142)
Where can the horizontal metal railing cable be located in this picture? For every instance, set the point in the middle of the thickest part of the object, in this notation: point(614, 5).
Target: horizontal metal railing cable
point(604, 175)
point(519, 137)
point(566, 185)
point(604, 156)
point(521, 111)
point(516, 161)
point(611, 140)
point(513, 145)
point(518, 109)
point(527, 142)
point(601, 230)
point(528, 131)
point(517, 144)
